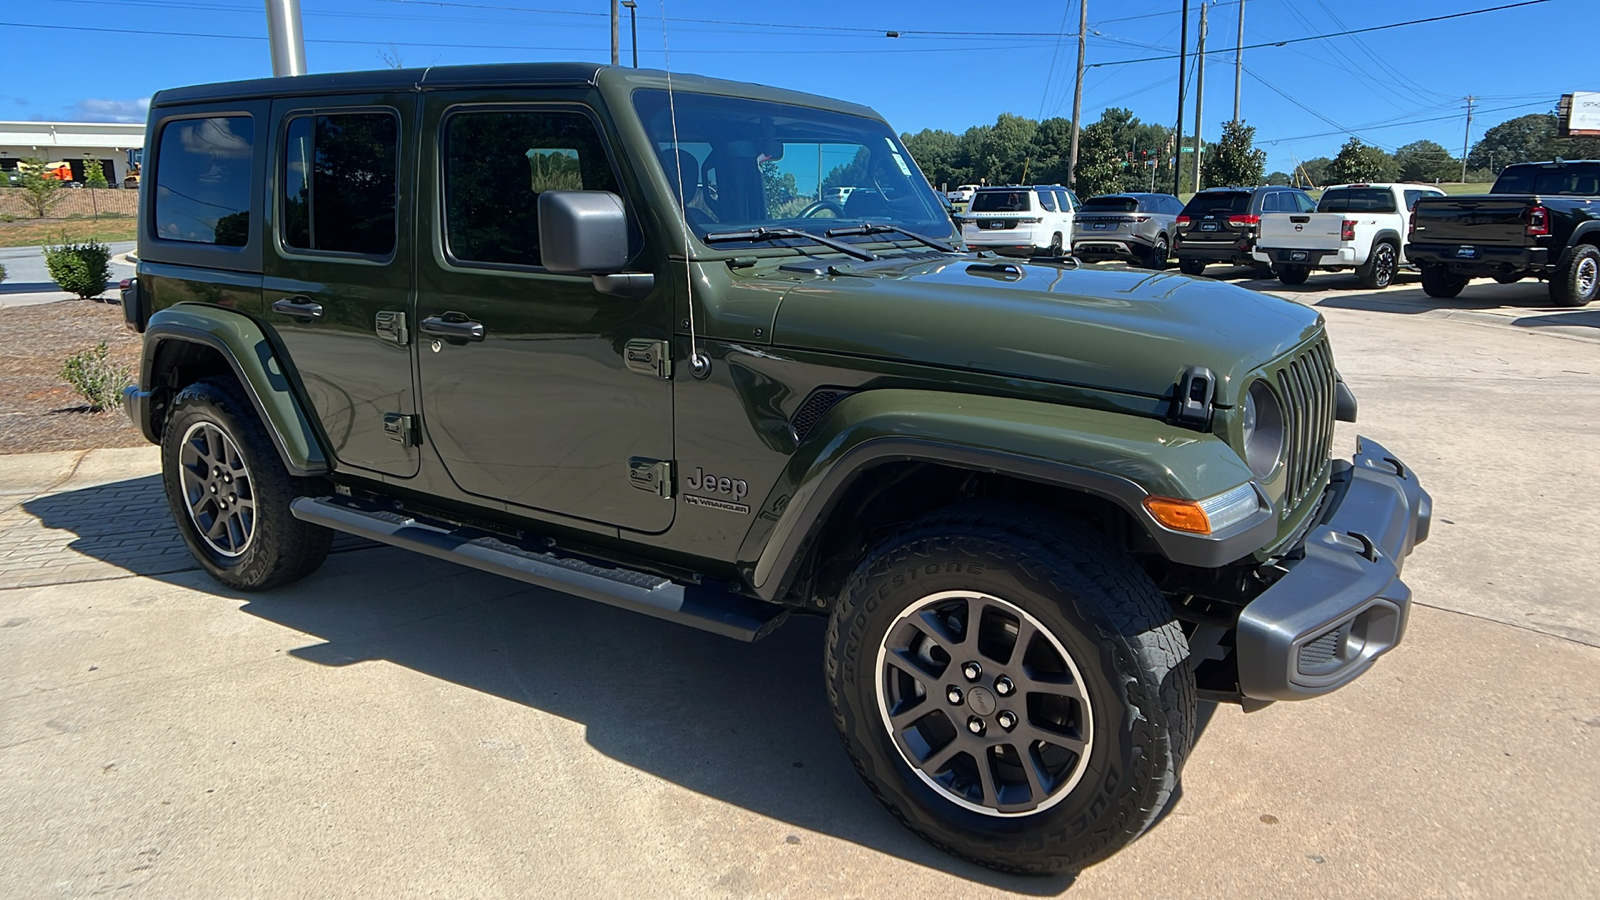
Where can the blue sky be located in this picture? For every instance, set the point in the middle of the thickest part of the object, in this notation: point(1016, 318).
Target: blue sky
point(950, 68)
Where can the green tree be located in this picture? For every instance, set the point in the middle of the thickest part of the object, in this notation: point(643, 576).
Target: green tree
point(1426, 161)
point(1279, 178)
point(94, 173)
point(1358, 162)
point(781, 190)
point(938, 155)
point(1233, 160)
point(40, 194)
point(1527, 138)
point(1099, 161)
point(1317, 170)
point(850, 174)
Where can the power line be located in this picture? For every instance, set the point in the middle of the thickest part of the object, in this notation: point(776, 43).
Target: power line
point(1323, 37)
point(1377, 127)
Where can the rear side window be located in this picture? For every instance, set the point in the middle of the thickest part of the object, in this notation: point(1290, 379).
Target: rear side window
point(1110, 204)
point(497, 163)
point(1358, 200)
point(202, 187)
point(1048, 200)
point(339, 181)
point(1220, 203)
point(1001, 201)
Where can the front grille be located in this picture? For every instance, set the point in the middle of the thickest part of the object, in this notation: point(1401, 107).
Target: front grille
point(1305, 385)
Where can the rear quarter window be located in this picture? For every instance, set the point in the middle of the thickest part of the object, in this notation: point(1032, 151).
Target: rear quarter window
point(203, 180)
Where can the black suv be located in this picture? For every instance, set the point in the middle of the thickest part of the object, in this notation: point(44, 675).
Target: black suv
point(1220, 225)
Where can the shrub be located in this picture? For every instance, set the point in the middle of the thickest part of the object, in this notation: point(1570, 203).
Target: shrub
point(2, 272)
point(82, 268)
point(94, 174)
point(93, 375)
point(39, 194)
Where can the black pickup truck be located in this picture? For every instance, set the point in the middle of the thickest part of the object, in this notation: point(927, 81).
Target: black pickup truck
point(1539, 219)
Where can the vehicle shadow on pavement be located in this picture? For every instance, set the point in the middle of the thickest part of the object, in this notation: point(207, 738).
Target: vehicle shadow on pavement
point(1411, 302)
point(1588, 317)
point(746, 724)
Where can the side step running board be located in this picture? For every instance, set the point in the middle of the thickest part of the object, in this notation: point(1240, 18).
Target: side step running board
point(720, 612)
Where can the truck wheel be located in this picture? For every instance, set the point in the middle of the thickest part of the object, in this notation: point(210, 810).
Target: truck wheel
point(1157, 257)
point(1577, 282)
point(230, 493)
point(1438, 281)
point(1191, 266)
point(1378, 271)
point(1294, 274)
point(1012, 688)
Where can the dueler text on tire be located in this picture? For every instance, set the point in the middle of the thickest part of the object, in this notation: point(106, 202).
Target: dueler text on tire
point(230, 493)
point(1011, 687)
point(1577, 282)
point(1438, 281)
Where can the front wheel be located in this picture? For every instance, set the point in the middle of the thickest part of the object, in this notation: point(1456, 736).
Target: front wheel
point(1294, 274)
point(1577, 282)
point(1438, 281)
point(230, 493)
point(1012, 688)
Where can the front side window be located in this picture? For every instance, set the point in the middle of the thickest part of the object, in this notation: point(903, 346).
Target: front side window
point(203, 178)
point(735, 164)
point(498, 162)
point(339, 183)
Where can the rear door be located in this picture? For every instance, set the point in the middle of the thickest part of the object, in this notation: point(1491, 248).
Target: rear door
point(337, 287)
point(533, 392)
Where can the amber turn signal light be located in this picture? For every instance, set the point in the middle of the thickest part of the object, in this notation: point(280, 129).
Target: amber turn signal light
point(1179, 515)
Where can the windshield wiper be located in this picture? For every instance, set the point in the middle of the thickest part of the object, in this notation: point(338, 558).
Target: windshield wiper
point(772, 234)
point(876, 228)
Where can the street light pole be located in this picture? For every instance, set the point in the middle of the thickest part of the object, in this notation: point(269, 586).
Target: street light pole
point(616, 38)
point(633, 30)
point(1183, 63)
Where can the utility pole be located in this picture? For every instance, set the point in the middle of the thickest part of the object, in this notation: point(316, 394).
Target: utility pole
point(1466, 140)
point(616, 36)
point(1077, 95)
point(285, 38)
point(1183, 64)
point(1238, 63)
point(1199, 91)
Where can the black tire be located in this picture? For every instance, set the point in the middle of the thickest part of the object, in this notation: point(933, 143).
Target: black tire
point(1156, 258)
point(1191, 266)
point(1437, 281)
point(1294, 274)
point(1056, 248)
point(266, 546)
point(1577, 282)
point(1382, 263)
point(1118, 634)
point(1509, 278)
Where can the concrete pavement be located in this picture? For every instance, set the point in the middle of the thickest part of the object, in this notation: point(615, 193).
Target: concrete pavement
point(398, 726)
point(28, 279)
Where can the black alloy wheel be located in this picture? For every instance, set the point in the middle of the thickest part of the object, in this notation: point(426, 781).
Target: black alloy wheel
point(1157, 257)
point(1379, 270)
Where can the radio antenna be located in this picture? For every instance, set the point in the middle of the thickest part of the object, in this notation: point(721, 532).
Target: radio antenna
point(699, 366)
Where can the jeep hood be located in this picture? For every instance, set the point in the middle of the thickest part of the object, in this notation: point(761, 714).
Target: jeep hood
point(1122, 330)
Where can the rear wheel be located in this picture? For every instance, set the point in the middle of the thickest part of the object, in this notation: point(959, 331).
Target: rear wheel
point(1577, 283)
point(1379, 269)
point(1294, 274)
point(1439, 281)
point(230, 493)
point(1012, 688)
point(1055, 245)
point(1191, 266)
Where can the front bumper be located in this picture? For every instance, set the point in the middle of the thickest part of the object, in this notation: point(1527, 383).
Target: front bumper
point(1340, 604)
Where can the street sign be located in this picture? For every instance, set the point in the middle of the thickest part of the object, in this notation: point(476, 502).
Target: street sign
point(1186, 150)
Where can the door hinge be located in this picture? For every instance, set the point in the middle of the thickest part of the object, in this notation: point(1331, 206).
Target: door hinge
point(391, 324)
point(402, 428)
point(648, 357)
point(654, 475)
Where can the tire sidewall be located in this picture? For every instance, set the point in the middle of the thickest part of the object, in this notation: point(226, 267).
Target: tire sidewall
point(1091, 822)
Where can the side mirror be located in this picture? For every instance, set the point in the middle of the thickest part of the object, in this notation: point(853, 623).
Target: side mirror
point(582, 232)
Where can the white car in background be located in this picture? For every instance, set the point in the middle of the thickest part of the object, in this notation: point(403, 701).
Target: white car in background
point(962, 194)
point(1020, 220)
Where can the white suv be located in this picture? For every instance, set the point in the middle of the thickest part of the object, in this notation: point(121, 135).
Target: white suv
point(1020, 219)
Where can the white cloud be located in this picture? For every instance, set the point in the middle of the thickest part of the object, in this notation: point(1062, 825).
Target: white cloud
point(97, 110)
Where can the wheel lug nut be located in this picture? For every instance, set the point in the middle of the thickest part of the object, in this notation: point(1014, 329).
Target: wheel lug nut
point(953, 694)
point(213, 489)
point(975, 725)
point(1007, 720)
point(234, 498)
point(972, 670)
point(1003, 686)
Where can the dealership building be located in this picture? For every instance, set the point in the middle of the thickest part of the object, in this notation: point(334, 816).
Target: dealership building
point(114, 144)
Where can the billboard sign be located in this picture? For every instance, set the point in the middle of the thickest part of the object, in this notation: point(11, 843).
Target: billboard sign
point(1580, 114)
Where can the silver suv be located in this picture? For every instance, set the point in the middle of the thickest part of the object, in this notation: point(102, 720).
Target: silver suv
point(1132, 227)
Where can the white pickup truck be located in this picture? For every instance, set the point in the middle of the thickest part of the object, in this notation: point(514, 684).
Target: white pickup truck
point(1356, 226)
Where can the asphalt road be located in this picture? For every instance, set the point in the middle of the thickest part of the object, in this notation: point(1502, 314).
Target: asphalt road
point(394, 726)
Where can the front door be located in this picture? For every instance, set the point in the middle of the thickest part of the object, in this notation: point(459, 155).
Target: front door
point(338, 269)
point(526, 389)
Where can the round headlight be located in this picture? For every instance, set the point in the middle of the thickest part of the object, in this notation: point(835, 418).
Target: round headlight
point(1263, 429)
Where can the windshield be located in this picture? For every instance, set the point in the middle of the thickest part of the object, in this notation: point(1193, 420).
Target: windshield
point(1343, 200)
point(1218, 203)
point(749, 164)
point(1582, 179)
point(1111, 204)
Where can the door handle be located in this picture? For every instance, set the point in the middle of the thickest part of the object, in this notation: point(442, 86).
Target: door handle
point(299, 307)
point(450, 326)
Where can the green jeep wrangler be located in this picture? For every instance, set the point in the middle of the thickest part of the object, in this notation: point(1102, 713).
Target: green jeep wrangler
point(713, 352)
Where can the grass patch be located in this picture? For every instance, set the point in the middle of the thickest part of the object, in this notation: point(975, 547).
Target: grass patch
point(30, 232)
